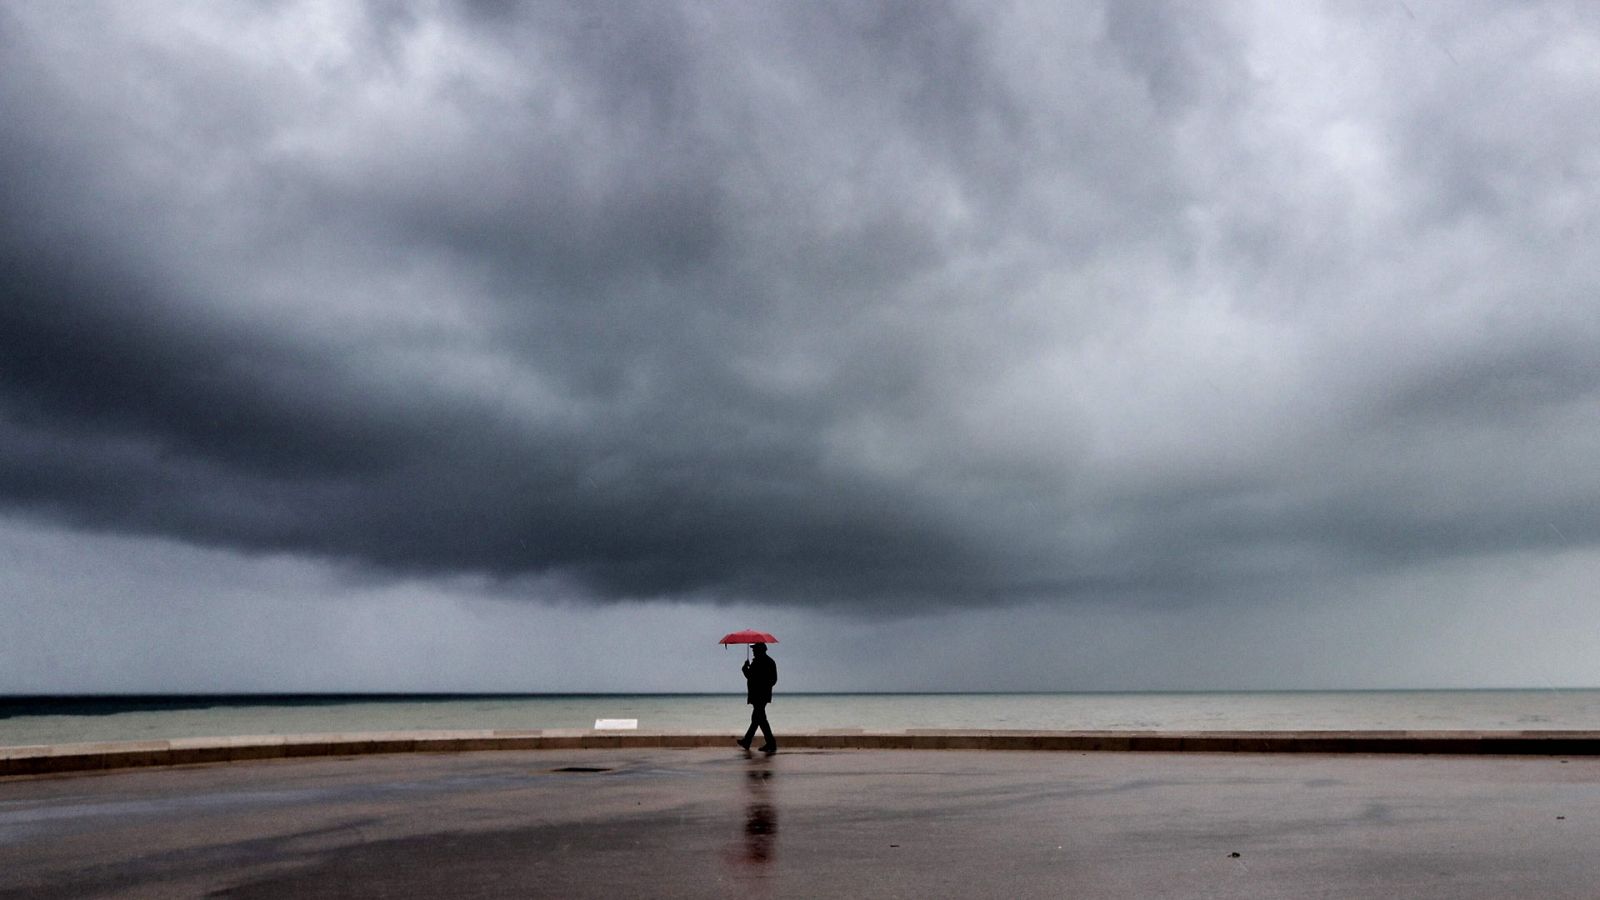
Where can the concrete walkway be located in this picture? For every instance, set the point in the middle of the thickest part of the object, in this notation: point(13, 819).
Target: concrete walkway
point(627, 822)
point(63, 758)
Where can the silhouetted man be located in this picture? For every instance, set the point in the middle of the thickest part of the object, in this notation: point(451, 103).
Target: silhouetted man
point(760, 674)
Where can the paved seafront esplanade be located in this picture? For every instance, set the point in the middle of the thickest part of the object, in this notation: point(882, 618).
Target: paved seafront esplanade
point(622, 819)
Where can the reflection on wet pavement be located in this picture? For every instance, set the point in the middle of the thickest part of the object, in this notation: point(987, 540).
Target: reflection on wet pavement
point(758, 845)
point(760, 819)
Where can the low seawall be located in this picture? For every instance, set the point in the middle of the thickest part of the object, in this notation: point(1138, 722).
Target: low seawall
point(59, 758)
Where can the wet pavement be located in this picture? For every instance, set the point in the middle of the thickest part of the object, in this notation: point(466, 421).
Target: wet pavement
point(697, 823)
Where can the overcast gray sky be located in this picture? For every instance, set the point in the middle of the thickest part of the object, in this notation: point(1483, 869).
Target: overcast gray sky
point(1085, 345)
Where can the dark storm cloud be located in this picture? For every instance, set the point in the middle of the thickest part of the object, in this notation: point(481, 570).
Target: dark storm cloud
point(867, 305)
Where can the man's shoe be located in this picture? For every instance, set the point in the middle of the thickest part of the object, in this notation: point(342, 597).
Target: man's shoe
point(742, 743)
point(769, 748)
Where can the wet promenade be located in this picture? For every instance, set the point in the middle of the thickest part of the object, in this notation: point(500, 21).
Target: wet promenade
point(813, 822)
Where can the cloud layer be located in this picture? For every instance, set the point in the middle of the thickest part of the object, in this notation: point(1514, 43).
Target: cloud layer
point(877, 307)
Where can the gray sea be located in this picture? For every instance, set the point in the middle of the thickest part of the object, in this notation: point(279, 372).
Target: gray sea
point(45, 720)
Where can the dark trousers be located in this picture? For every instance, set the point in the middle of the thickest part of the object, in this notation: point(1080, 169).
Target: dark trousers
point(758, 719)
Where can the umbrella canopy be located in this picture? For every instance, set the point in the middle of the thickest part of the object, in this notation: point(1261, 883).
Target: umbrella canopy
point(748, 636)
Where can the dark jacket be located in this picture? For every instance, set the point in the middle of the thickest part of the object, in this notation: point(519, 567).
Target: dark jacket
point(760, 674)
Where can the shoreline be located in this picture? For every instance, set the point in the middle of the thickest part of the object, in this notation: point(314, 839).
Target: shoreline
point(50, 759)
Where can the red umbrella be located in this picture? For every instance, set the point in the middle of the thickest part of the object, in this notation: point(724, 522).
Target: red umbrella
point(747, 636)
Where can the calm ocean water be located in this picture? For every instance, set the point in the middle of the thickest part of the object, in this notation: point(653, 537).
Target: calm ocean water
point(55, 720)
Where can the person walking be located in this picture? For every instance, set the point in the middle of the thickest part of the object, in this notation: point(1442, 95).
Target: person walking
point(760, 674)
